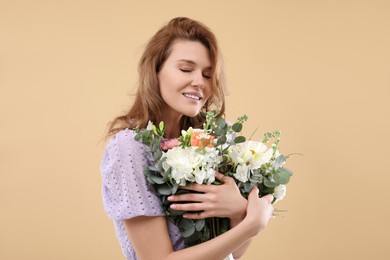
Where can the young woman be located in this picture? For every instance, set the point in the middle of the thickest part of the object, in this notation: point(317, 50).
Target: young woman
point(180, 75)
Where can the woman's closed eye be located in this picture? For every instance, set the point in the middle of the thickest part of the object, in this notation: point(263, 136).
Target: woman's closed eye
point(185, 70)
point(206, 76)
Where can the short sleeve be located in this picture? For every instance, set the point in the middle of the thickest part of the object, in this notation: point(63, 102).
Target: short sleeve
point(126, 193)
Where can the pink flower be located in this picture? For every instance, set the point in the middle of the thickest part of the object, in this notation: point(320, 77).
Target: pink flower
point(167, 144)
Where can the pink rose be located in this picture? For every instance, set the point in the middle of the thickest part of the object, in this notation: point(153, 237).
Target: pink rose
point(167, 144)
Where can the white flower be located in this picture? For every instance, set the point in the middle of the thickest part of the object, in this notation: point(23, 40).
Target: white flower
point(177, 159)
point(241, 173)
point(189, 164)
point(251, 153)
point(149, 126)
point(210, 176)
point(280, 192)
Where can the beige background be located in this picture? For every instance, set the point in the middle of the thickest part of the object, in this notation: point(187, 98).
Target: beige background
point(316, 70)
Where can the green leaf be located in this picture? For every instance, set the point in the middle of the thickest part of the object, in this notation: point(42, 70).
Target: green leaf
point(270, 184)
point(157, 155)
point(219, 131)
point(199, 224)
point(282, 176)
point(187, 227)
point(221, 140)
point(220, 122)
point(265, 190)
point(175, 188)
point(176, 212)
point(156, 179)
point(237, 127)
point(279, 161)
point(239, 139)
point(164, 189)
point(248, 186)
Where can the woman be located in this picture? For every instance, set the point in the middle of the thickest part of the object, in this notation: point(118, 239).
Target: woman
point(180, 75)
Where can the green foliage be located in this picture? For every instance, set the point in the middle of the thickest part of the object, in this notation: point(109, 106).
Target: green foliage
point(239, 139)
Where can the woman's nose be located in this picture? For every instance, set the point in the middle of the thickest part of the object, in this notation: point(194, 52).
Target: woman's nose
point(198, 80)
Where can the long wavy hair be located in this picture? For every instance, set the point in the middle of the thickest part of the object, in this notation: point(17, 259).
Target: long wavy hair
point(148, 104)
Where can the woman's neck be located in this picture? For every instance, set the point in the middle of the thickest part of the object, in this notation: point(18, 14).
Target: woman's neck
point(172, 126)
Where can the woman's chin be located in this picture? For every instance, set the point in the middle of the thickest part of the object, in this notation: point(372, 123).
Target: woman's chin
point(192, 113)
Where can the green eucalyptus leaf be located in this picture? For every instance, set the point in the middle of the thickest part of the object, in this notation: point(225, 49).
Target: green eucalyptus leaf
point(247, 186)
point(164, 189)
point(220, 122)
point(219, 131)
point(175, 188)
point(239, 139)
point(187, 227)
point(199, 224)
point(264, 189)
point(221, 140)
point(279, 161)
point(137, 137)
point(237, 127)
point(157, 155)
point(270, 184)
point(176, 212)
point(156, 179)
point(282, 176)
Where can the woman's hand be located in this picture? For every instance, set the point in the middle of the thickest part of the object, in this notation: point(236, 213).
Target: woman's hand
point(259, 211)
point(224, 201)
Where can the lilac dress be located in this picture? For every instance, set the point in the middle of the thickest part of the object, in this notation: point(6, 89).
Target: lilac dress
point(126, 193)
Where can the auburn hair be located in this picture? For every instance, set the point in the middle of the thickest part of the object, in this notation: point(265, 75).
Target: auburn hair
point(148, 104)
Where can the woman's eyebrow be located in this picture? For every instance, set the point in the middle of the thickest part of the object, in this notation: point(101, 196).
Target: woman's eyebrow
point(187, 61)
point(190, 62)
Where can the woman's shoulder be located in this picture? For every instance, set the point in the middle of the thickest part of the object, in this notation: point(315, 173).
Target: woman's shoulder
point(124, 141)
point(123, 147)
point(125, 138)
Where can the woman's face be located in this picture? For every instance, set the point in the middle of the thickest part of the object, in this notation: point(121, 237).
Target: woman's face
point(184, 79)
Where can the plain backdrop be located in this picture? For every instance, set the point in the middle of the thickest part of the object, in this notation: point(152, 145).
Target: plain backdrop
point(316, 70)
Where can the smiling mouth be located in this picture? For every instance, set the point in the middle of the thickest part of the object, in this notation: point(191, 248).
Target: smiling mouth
point(191, 96)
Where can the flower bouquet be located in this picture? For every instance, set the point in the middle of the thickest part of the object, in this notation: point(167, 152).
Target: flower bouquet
point(197, 154)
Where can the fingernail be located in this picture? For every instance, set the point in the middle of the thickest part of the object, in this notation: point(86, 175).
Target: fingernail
point(170, 198)
point(173, 206)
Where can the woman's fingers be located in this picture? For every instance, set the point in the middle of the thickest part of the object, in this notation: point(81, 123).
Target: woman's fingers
point(198, 197)
point(198, 187)
point(269, 198)
point(189, 206)
point(223, 179)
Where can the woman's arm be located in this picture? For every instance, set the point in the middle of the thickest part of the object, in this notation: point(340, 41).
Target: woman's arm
point(215, 201)
point(150, 239)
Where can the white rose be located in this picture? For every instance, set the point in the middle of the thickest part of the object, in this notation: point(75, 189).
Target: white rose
point(280, 192)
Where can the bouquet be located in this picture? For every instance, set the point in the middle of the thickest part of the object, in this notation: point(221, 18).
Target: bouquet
point(197, 154)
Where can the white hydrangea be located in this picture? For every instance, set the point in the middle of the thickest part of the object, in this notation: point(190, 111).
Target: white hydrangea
point(190, 164)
